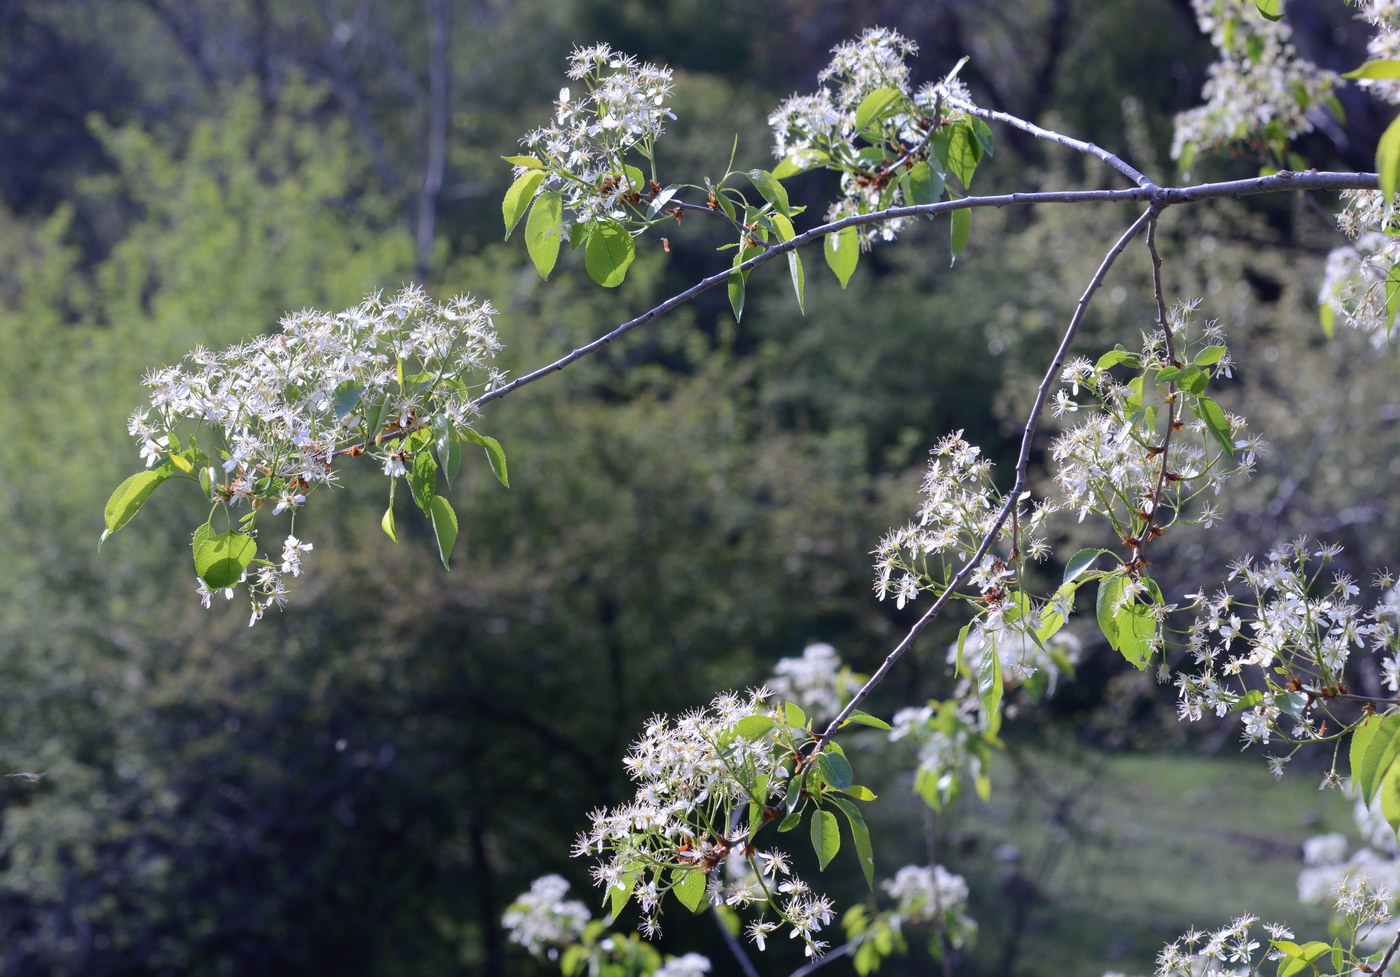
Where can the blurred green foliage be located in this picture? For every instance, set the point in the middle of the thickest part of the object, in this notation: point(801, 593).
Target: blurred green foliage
point(364, 782)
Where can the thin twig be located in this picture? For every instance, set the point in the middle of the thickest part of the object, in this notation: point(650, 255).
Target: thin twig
point(1159, 197)
point(1385, 962)
point(1056, 137)
point(735, 947)
point(1012, 496)
point(1173, 418)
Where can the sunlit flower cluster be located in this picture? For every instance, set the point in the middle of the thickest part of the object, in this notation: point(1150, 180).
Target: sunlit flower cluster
point(620, 107)
point(542, 919)
point(948, 739)
point(1384, 45)
point(1293, 635)
point(1360, 278)
point(1258, 90)
point(1230, 950)
point(929, 894)
point(689, 965)
point(819, 129)
point(263, 423)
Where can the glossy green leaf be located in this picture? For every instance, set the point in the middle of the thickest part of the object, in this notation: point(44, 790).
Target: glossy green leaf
point(1374, 745)
point(689, 887)
point(518, 197)
point(799, 163)
point(735, 288)
point(826, 837)
point(620, 894)
point(635, 178)
point(865, 719)
point(860, 834)
point(1135, 626)
point(1117, 357)
point(964, 151)
point(836, 770)
point(529, 161)
point(960, 231)
point(796, 718)
point(1216, 423)
point(495, 454)
point(422, 479)
point(1110, 592)
point(220, 560)
point(447, 446)
point(874, 105)
point(842, 251)
point(924, 184)
point(544, 231)
point(773, 191)
point(989, 683)
point(444, 521)
point(1271, 9)
point(752, 727)
point(386, 523)
point(1210, 356)
point(1081, 561)
point(862, 793)
point(128, 497)
point(347, 397)
point(1376, 70)
point(609, 253)
point(1297, 958)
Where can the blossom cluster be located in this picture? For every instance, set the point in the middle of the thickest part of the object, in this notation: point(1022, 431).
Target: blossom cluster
point(819, 129)
point(950, 747)
point(263, 423)
point(1362, 884)
point(1360, 279)
point(542, 919)
point(1259, 88)
point(1278, 655)
point(1230, 950)
point(621, 109)
point(929, 894)
point(817, 681)
point(1384, 44)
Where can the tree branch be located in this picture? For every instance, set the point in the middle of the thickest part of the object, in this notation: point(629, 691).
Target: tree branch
point(1013, 495)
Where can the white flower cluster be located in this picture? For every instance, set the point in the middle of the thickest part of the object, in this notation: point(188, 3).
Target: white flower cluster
point(947, 739)
point(1360, 277)
point(265, 421)
point(818, 129)
point(1228, 951)
point(1115, 463)
point(621, 109)
point(1363, 881)
point(930, 894)
point(817, 681)
point(1259, 89)
point(542, 920)
point(1297, 623)
point(690, 965)
point(695, 777)
point(1022, 655)
point(959, 508)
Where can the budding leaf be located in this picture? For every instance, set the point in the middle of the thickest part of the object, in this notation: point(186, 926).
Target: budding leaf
point(865, 719)
point(608, 254)
point(842, 251)
point(826, 837)
point(545, 230)
point(220, 560)
point(529, 161)
point(444, 527)
point(518, 197)
point(128, 497)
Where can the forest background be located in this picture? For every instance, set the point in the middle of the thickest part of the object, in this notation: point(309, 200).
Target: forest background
point(363, 783)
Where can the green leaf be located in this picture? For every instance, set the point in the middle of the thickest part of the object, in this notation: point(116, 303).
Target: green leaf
point(1388, 158)
point(1136, 627)
point(735, 288)
point(826, 837)
point(1211, 355)
point(422, 478)
point(865, 719)
point(1270, 9)
point(689, 887)
point(960, 231)
point(609, 252)
point(1110, 591)
point(788, 823)
point(1081, 561)
point(220, 560)
point(836, 769)
point(128, 497)
point(444, 527)
point(1376, 69)
point(529, 161)
point(924, 184)
point(874, 105)
point(518, 197)
point(989, 683)
point(752, 727)
point(635, 177)
point(386, 522)
point(801, 162)
point(1374, 745)
point(860, 834)
point(983, 132)
point(545, 230)
point(842, 251)
point(1327, 316)
point(619, 894)
point(1298, 958)
point(448, 447)
point(861, 793)
point(796, 718)
point(1193, 380)
point(1117, 357)
point(964, 151)
point(347, 397)
point(1209, 412)
point(495, 454)
point(773, 191)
